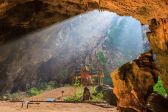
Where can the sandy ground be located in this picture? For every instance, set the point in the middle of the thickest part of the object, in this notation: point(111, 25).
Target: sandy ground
point(53, 107)
point(56, 93)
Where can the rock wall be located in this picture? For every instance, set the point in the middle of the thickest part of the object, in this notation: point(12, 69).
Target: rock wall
point(133, 83)
point(159, 42)
point(143, 10)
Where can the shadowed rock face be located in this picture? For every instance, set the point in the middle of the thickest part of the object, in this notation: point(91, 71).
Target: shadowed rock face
point(159, 43)
point(26, 17)
point(46, 12)
point(143, 10)
point(157, 103)
point(133, 83)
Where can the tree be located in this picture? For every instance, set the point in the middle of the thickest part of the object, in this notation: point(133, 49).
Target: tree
point(101, 58)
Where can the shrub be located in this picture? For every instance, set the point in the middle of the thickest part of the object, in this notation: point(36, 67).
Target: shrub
point(77, 83)
point(158, 87)
point(34, 91)
point(95, 96)
point(75, 98)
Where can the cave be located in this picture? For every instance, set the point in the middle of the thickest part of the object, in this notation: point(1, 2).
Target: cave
point(48, 53)
point(20, 20)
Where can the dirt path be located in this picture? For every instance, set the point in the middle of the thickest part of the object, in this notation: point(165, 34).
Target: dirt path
point(53, 107)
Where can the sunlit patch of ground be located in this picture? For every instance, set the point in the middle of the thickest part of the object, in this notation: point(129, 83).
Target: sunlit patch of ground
point(55, 93)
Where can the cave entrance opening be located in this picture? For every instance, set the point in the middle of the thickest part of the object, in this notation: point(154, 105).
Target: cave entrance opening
point(96, 40)
point(115, 40)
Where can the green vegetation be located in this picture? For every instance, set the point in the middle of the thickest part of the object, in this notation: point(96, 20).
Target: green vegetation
point(38, 90)
point(101, 57)
point(73, 99)
point(34, 91)
point(95, 96)
point(13, 96)
point(159, 88)
point(31, 92)
point(77, 97)
point(103, 62)
point(43, 86)
point(78, 93)
point(77, 83)
point(98, 97)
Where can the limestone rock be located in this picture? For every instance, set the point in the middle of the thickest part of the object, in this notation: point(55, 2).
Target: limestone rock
point(133, 83)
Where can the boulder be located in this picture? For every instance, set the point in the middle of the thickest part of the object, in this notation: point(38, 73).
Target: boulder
point(108, 94)
point(133, 83)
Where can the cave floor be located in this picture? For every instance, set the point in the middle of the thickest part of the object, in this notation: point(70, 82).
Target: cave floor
point(53, 107)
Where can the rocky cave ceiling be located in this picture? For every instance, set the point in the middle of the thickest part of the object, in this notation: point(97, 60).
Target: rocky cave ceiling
point(22, 16)
point(32, 14)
